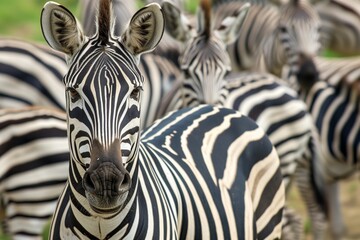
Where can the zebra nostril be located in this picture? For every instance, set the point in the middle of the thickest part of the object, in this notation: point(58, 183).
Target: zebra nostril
point(125, 184)
point(88, 183)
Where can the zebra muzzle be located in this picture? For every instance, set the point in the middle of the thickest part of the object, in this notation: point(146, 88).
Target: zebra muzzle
point(106, 182)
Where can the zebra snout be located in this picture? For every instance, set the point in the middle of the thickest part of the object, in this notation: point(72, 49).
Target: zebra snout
point(107, 181)
point(308, 73)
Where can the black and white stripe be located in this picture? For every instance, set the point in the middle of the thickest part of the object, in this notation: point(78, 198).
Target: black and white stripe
point(197, 173)
point(34, 158)
point(333, 101)
point(340, 21)
point(37, 70)
point(295, 42)
point(263, 97)
point(273, 36)
point(30, 74)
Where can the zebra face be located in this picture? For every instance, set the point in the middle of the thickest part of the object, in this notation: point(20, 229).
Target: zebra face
point(299, 33)
point(103, 91)
point(204, 60)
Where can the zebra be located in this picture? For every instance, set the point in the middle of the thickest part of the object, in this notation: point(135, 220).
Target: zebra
point(176, 180)
point(33, 142)
point(333, 102)
point(295, 42)
point(263, 97)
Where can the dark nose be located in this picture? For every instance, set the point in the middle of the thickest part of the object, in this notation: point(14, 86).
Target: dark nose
point(106, 175)
point(307, 74)
point(106, 181)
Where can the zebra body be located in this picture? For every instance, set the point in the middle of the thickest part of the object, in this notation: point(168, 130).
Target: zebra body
point(265, 99)
point(33, 142)
point(333, 102)
point(173, 175)
point(111, 192)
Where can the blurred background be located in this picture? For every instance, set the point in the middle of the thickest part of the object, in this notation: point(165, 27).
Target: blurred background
point(21, 19)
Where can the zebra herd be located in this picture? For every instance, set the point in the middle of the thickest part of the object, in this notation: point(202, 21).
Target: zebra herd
point(198, 139)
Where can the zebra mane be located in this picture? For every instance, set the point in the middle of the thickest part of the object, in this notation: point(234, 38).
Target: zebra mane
point(206, 7)
point(104, 21)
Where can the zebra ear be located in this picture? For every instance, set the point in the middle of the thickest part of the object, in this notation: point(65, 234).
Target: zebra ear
point(176, 23)
point(61, 29)
point(145, 30)
point(230, 27)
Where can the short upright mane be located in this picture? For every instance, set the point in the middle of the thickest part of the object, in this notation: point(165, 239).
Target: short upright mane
point(206, 7)
point(104, 21)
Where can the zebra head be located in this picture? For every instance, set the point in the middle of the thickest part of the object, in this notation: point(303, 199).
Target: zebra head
point(299, 34)
point(204, 60)
point(103, 88)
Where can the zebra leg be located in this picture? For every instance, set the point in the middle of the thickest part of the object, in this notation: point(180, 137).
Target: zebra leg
point(292, 225)
point(313, 199)
point(336, 221)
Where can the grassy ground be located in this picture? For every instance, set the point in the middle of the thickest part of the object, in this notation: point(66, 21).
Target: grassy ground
point(350, 203)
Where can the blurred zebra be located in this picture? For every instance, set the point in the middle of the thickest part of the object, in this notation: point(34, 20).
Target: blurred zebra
point(333, 101)
point(197, 173)
point(273, 37)
point(30, 74)
point(340, 21)
point(339, 29)
point(33, 143)
point(295, 42)
point(263, 97)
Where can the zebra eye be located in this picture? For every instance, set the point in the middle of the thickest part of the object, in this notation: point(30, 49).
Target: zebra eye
point(74, 95)
point(283, 29)
point(135, 94)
